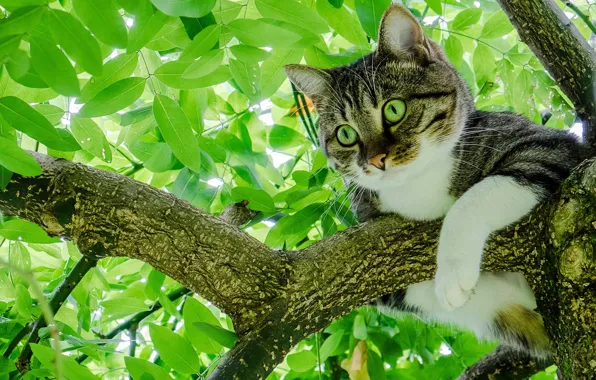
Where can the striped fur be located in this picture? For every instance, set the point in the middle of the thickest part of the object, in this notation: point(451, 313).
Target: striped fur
point(481, 171)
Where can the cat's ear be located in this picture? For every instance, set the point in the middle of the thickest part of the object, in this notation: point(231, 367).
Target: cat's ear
point(400, 34)
point(311, 81)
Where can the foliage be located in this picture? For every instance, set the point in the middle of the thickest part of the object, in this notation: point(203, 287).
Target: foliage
point(191, 98)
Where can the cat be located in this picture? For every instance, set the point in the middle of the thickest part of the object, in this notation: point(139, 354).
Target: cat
point(401, 124)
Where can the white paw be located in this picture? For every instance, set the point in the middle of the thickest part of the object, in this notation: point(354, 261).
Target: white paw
point(454, 283)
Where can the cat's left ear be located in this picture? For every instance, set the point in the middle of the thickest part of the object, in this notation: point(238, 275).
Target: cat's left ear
point(401, 35)
point(311, 81)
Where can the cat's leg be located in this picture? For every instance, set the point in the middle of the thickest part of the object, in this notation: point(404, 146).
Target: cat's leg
point(488, 206)
point(501, 308)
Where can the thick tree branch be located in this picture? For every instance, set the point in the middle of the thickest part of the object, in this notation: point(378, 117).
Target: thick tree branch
point(563, 51)
point(503, 363)
point(277, 298)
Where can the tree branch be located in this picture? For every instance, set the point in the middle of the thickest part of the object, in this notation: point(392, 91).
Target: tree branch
point(503, 363)
point(277, 298)
point(563, 51)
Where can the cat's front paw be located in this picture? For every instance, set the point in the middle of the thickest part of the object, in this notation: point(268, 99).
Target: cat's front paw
point(454, 283)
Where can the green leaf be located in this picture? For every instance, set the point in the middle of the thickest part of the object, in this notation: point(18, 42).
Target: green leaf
point(175, 351)
point(24, 118)
point(303, 219)
point(171, 75)
point(247, 75)
point(195, 312)
point(23, 302)
point(20, 21)
point(194, 103)
point(435, 5)
point(22, 230)
point(120, 67)
point(177, 131)
point(201, 43)
point(146, 26)
point(207, 64)
point(78, 43)
point(139, 367)
point(259, 200)
point(154, 284)
point(272, 73)
point(91, 137)
point(186, 8)
point(15, 159)
point(302, 361)
point(51, 112)
point(222, 336)
point(5, 176)
point(121, 307)
point(249, 53)
point(344, 22)
point(187, 185)
point(104, 20)
point(8, 46)
point(360, 330)
point(497, 26)
point(114, 98)
point(375, 366)
point(70, 368)
point(22, 3)
point(454, 50)
point(524, 91)
point(330, 345)
point(370, 12)
point(262, 34)
point(282, 137)
point(466, 18)
point(53, 67)
point(484, 65)
point(6, 365)
point(293, 12)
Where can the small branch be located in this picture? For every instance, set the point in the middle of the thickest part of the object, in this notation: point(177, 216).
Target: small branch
point(132, 332)
point(502, 363)
point(17, 339)
point(133, 322)
point(60, 295)
point(584, 17)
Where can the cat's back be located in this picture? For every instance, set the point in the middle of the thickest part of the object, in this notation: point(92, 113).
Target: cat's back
point(502, 143)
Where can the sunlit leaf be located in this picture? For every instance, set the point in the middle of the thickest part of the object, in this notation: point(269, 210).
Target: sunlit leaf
point(53, 67)
point(186, 8)
point(91, 137)
point(293, 12)
point(497, 26)
point(176, 351)
point(466, 18)
point(222, 336)
point(302, 361)
point(114, 98)
point(194, 312)
point(103, 19)
point(370, 13)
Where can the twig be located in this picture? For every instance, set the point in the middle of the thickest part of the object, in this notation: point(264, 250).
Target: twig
point(17, 339)
point(60, 295)
point(137, 318)
point(132, 332)
point(581, 15)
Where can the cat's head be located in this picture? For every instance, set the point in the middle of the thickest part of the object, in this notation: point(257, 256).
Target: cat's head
point(386, 117)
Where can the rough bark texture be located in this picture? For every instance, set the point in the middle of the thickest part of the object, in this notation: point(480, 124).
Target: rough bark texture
point(563, 51)
point(277, 298)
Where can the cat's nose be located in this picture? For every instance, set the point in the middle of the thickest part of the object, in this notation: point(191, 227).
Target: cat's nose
point(378, 161)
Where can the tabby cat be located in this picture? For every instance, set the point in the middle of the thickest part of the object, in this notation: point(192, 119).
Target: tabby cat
point(401, 123)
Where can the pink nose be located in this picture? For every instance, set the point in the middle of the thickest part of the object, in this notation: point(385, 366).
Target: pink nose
point(378, 161)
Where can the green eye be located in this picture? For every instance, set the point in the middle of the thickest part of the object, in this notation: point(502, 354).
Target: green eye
point(346, 135)
point(394, 110)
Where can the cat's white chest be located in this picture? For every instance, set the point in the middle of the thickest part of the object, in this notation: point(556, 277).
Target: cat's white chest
point(425, 197)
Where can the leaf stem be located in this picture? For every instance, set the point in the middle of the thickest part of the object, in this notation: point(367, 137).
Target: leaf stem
point(470, 37)
point(584, 17)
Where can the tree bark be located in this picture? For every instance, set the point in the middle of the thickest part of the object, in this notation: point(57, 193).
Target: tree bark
point(562, 50)
point(277, 298)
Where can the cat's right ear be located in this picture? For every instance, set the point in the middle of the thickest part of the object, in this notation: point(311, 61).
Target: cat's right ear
point(311, 81)
point(401, 35)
